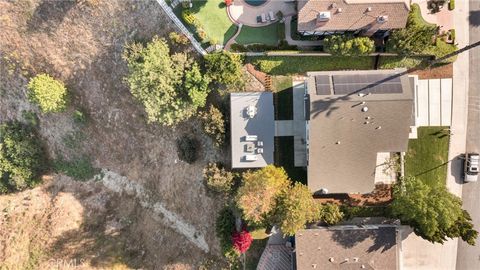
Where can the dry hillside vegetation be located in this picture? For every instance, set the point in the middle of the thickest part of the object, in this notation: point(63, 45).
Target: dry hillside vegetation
point(146, 208)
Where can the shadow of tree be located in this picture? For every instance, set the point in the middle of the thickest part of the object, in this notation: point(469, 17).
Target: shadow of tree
point(383, 238)
point(49, 14)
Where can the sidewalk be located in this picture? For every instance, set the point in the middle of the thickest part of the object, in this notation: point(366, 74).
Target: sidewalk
point(459, 102)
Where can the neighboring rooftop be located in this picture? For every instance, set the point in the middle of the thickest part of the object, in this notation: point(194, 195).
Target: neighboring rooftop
point(351, 15)
point(252, 128)
point(354, 115)
point(347, 248)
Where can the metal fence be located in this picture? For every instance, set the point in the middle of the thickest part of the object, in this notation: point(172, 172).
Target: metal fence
point(180, 25)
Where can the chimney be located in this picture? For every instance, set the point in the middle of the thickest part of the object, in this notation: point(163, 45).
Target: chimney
point(369, 9)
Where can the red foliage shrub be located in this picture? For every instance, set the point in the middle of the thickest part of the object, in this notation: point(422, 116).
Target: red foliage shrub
point(242, 240)
point(228, 2)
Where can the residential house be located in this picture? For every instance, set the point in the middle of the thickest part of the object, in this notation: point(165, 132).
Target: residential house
point(344, 247)
point(363, 17)
point(356, 120)
point(252, 129)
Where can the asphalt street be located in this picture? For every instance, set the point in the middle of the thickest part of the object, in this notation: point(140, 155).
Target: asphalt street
point(468, 257)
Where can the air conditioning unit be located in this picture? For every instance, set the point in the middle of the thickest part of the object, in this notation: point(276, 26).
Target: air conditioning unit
point(323, 16)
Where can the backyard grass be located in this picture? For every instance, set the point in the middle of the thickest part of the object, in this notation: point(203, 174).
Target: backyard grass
point(283, 95)
point(427, 156)
point(212, 15)
point(287, 65)
point(284, 157)
point(267, 35)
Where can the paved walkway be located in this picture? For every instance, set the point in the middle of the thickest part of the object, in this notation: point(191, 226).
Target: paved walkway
point(232, 39)
point(299, 43)
point(241, 12)
point(443, 18)
point(299, 124)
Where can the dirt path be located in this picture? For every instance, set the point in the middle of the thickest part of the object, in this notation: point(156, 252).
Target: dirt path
point(121, 184)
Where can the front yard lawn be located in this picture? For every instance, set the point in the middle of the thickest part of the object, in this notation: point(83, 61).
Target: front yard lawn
point(390, 62)
point(286, 65)
point(284, 157)
point(212, 15)
point(267, 35)
point(427, 156)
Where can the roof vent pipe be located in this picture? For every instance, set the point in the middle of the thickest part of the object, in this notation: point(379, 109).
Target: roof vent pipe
point(331, 259)
point(365, 109)
point(369, 9)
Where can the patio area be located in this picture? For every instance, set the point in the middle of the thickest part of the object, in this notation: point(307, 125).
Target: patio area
point(240, 12)
point(443, 18)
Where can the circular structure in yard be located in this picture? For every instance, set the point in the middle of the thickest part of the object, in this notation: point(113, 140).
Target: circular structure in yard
point(255, 2)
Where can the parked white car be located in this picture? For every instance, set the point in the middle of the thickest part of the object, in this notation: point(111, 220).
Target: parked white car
point(471, 167)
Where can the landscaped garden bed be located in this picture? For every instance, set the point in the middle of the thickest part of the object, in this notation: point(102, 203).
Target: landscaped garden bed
point(285, 65)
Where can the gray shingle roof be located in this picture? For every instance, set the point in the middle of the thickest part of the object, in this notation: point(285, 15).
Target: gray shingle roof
point(353, 15)
point(344, 140)
point(346, 248)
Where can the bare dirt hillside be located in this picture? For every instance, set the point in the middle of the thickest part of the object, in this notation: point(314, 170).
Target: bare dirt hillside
point(146, 208)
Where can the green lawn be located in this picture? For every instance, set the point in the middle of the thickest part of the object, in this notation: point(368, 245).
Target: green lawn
point(267, 35)
point(284, 157)
point(390, 62)
point(416, 16)
point(427, 156)
point(212, 15)
point(283, 95)
point(285, 65)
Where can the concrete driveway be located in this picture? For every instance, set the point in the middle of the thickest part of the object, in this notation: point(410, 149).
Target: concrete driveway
point(419, 254)
point(434, 102)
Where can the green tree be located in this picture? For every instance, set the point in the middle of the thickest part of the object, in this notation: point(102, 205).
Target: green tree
point(224, 67)
point(433, 212)
point(256, 197)
point(218, 179)
point(295, 207)
point(214, 124)
point(331, 214)
point(22, 158)
point(196, 86)
point(348, 45)
point(48, 93)
point(170, 87)
point(415, 38)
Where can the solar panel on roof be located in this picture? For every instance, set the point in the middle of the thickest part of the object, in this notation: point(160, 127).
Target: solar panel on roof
point(371, 83)
point(322, 85)
point(322, 79)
